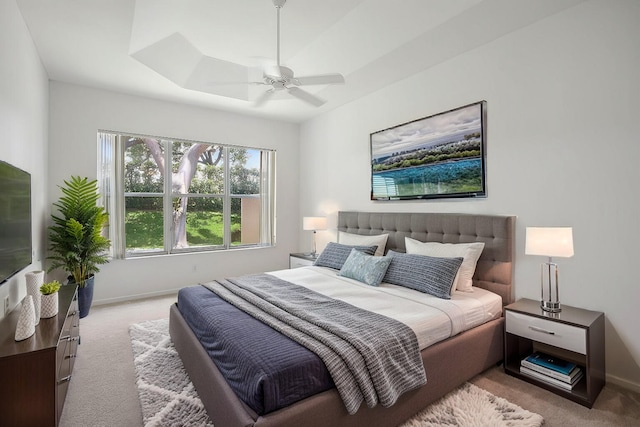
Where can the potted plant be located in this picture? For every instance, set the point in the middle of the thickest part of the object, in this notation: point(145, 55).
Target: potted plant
point(76, 241)
point(49, 301)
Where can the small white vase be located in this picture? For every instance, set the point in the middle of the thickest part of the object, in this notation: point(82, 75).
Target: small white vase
point(35, 279)
point(27, 321)
point(49, 306)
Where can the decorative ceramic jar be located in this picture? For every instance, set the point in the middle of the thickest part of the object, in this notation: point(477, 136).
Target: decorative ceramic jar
point(27, 321)
point(35, 279)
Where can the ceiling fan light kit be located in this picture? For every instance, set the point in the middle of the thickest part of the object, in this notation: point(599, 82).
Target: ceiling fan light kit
point(282, 78)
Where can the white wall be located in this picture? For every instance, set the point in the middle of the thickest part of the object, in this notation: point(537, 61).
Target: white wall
point(563, 150)
point(77, 113)
point(23, 128)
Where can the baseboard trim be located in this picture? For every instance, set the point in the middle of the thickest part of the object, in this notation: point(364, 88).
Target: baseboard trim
point(135, 297)
point(624, 383)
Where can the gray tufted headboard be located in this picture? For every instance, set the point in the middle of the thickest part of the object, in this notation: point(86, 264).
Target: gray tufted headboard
point(495, 267)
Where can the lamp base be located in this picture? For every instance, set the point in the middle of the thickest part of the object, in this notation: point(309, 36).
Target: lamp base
point(551, 306)
point(549, 280)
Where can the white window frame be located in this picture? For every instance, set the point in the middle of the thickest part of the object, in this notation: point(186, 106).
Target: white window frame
point(111, 162)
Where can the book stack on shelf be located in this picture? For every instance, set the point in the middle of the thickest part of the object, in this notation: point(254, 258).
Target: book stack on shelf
point(552, 370)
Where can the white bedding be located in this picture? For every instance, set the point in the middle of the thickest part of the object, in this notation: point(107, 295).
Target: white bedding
point(431, 318)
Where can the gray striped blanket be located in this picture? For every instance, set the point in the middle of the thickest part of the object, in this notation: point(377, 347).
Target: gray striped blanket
point(370, 357)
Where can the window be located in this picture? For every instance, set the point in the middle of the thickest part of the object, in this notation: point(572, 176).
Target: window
point(171, 196)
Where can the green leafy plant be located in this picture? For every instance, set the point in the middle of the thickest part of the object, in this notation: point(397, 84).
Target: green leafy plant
point(76, 240)
point(50, 288)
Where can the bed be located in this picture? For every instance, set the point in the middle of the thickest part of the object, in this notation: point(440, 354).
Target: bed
point(449, 363)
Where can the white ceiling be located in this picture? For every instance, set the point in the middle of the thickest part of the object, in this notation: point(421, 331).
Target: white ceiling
point(373, 43)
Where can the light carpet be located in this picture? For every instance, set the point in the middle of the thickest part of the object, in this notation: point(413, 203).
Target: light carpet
point(168, 397)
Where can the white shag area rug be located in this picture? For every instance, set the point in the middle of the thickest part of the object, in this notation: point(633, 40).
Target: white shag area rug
point(471, 406)
point(166, 393)
point(168, 397)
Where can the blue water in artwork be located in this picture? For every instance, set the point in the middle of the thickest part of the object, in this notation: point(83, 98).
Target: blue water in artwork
point(443, 178)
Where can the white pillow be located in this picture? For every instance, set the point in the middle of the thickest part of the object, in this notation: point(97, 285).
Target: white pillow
point(470, 252)
point(360, 240)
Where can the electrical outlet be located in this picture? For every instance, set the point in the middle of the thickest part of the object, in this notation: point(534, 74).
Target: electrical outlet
point(6, 305)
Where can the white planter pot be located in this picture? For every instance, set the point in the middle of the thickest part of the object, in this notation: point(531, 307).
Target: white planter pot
point(49, 305)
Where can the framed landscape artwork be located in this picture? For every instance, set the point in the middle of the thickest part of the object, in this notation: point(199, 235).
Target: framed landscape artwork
point(440, 156)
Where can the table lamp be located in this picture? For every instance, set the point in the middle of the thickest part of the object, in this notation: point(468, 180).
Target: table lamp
point(314, 223)
point(550, 242)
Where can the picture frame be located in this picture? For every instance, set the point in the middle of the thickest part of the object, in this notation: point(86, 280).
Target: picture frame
point(439, 156)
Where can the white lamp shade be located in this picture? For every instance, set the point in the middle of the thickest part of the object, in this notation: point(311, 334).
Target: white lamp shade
point(314, 223)
point(549, 241)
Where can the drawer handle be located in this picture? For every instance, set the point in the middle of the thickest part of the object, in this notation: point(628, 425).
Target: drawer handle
point(64, 380)
point(71, 356)
point(71, 314)
point(69, 338)
point(535, 328)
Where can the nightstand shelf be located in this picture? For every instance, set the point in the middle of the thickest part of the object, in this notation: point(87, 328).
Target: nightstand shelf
point(574, 334)
point(301, 260)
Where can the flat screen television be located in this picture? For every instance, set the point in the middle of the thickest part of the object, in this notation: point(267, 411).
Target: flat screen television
point(15, 220)
point(440, 156)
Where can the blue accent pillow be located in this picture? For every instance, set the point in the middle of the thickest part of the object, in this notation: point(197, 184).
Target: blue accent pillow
point(365, 268)
point(334, 254)
point(423, 273)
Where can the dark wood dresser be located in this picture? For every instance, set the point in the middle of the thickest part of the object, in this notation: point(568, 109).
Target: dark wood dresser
point(35, 373)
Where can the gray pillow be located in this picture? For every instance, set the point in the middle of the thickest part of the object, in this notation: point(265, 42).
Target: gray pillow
point(423, 273)
point(365, 268)
point(334, 254)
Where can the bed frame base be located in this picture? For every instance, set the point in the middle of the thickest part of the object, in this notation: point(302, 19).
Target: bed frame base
point(448, 364)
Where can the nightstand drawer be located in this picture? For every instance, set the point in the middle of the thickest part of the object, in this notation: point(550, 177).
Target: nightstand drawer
point(547, 331)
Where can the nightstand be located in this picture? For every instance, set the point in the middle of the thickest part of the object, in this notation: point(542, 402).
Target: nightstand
point(301, 260)
point(574, 334)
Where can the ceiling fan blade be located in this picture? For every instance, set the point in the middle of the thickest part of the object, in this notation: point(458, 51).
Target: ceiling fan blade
point(264, 98)
point(305, 96)
point(320, 79)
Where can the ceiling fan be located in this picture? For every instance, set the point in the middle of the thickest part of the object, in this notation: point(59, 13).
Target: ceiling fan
point(281, 78)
